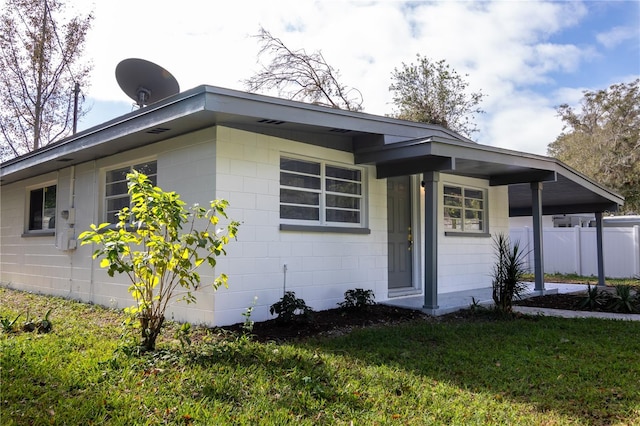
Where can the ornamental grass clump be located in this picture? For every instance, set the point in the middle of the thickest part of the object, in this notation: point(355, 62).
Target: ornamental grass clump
point(508, 273)
point(156, 244)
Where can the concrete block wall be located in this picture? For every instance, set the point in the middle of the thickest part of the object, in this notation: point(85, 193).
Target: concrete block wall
point(320, 267)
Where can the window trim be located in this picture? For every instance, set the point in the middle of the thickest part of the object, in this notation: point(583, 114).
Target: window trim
point(322, 225)
point(453, 232)
point(103, 191)
point(47, 232)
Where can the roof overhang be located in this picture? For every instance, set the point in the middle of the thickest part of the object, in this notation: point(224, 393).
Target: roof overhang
point(206, 106)
point(395, 147)
point(565, 190)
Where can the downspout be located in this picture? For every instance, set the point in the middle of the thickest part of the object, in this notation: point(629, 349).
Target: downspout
point(93, 203)
point(71, 224)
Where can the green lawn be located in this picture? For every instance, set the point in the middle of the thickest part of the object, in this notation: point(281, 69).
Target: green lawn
point(524, 371)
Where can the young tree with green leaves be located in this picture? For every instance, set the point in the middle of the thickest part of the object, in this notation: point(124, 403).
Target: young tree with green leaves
point(157, 245)
point(433, 92)
point(601, 139)
point(40, 73)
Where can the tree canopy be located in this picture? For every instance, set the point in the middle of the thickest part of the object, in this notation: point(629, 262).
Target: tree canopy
point(302, 76)
point(433, 92)
point(39, 69)
point(601, 139)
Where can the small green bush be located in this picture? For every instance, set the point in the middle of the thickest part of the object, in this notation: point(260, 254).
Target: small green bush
point(290, 308)
point(358, 298)
point(592, 300)
point(624, 300)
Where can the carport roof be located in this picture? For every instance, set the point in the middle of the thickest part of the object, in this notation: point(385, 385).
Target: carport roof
point(395, 147)
point(564, 189)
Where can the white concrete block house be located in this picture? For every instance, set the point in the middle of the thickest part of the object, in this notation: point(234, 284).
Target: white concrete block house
point(329, 200)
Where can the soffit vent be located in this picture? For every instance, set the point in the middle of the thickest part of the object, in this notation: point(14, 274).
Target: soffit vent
point(340, 130)
point(274, 122)
point(65, 159)
point(158, 130)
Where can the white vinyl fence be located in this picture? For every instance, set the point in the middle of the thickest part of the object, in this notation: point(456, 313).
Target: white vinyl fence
point(573, 250)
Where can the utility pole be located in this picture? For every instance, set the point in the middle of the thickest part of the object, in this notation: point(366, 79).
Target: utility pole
point(76, 91)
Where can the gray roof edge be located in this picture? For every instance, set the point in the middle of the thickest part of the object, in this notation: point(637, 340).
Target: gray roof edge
point(587, 182)
point(440, 145)
point(357, 115)
point(107, 124)
point(67, 146)
point(554, 165)
point(219, 91)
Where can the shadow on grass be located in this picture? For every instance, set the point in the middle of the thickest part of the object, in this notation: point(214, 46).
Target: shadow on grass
point(587, 369)
point(454, 372)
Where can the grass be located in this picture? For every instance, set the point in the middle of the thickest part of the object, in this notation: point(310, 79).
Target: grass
point(579, 279)
point(531, 370)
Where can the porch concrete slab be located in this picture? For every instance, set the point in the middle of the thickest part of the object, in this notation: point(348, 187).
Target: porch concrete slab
point(455, 301)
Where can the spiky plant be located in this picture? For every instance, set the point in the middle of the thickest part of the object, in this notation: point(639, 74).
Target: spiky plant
point(508, 273)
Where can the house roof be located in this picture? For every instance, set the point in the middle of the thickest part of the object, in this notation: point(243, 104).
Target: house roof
point(394, 146)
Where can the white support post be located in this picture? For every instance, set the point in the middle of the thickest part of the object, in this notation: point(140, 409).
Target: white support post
point(636, 250)
point(599, 250)
point(577, 233)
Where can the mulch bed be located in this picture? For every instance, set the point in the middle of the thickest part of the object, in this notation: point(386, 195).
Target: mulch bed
point(339, 321)
point(335, 322)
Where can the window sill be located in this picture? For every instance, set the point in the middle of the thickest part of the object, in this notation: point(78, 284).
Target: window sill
point(318, 228)
point(38, 234)
point(467, 234)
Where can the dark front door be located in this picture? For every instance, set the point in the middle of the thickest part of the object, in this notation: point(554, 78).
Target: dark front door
point(400, 236)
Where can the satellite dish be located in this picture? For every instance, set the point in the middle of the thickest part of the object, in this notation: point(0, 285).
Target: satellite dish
point(144, 81)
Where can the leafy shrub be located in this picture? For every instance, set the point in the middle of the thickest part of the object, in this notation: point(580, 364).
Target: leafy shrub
point(508, 273)
point(592, 300)
point(358, 298)
point(289, 308)
point(156, 243)
point(624, 299)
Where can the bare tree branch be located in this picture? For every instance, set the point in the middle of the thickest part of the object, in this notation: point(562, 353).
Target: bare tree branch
point(298, 75)
point(39, 66)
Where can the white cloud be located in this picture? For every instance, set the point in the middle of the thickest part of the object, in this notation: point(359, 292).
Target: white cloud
point(523, 126)
point(505, 47)
point(617, 35)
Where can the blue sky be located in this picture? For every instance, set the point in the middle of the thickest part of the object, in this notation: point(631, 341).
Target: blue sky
point(527, 57)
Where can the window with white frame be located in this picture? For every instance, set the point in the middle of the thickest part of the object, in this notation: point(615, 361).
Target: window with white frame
point(464, 209)
point(116, 190)
point(320, 193)
point(42, 208)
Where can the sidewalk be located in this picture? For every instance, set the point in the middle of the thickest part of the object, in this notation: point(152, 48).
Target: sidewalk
point(575, 314)
point(451, 302)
